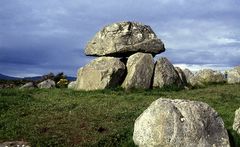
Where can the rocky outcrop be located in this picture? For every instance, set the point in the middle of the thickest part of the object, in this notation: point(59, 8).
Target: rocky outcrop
point(188, 74)
point(101, 73)
point(181, 75)
point(233, 75)
point(28, 85)
point(123, 39)
point(180, 123)
point(236, 123)
point(165, 74)
point(72, 85)
point(139, 71)
point(207, 76)
point(46, 84)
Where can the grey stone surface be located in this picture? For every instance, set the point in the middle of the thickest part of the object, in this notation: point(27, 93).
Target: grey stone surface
point(180, 123)
point(206, 76)
point(46, 84)
point(188, 74)
point(72, 85)
point(165, 74)
point(181, 75)
point(233, 75)
point(15, 144)
point(139, 71)
point(236, 123)
point(101, 73)
point(124, 39)
point(28, 85)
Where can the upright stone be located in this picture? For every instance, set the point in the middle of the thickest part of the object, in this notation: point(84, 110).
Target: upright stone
point(236, 123)
point(180, 123)
point(181, 75)
point(233, 75)
point(139, 71)
point(165, 74)
point(188, 74)
point(124, 39)
point(101, 73)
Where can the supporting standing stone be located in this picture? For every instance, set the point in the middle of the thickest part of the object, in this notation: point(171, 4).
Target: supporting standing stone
point(101, 73)
point(165, 74)
point(139, 71)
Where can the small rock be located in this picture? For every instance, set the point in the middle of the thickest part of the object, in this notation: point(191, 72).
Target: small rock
point(46, 84)
point(28, 85)
point(15, 144)
point(72, 85)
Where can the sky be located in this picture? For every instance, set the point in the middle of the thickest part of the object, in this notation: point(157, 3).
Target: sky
point(38, 37)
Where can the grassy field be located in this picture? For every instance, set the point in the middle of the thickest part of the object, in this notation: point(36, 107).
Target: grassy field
point(62, 117)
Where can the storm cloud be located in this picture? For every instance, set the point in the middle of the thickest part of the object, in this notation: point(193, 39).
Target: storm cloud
point(37, 37)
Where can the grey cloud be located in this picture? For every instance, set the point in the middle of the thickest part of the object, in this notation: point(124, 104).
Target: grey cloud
point(39, 36)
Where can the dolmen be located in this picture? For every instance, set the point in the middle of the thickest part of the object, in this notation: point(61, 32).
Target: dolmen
point(125, 54)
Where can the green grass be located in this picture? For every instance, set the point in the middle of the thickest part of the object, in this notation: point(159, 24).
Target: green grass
point(62, 117)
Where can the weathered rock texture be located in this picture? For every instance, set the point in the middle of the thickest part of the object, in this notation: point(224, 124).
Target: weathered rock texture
point(47, 84)
point(236, 123)
point(124, 39)
point(180, 123)
point(188, 74)
point(165, 74)
point(101, 73)
point(207, 76)
point(28, 85)
point(233, 75)
point(72, 85)
point(15, 144)
point(181, 75)
point(139, 71)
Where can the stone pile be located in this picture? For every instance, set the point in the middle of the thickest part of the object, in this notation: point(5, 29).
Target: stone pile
point(125, 54)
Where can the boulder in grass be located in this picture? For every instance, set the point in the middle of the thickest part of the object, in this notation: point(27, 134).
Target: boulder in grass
point(124, 39)
point(72, 85)
point(28, 85)
point(180, 123)
point(207, 76)
point(233, 75)
point(15, 144)
point(46, 84)
point(236, 124)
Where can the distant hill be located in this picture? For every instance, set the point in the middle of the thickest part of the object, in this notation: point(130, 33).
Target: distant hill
point(5, 77)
